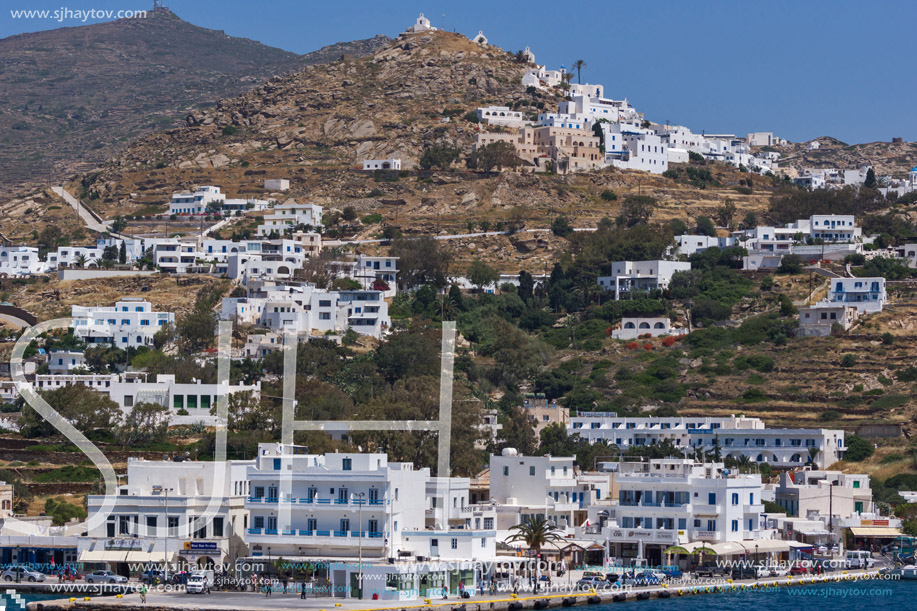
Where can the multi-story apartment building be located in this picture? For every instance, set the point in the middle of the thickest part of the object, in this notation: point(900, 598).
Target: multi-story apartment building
point(187, 513)
point(670, 501)
point(340, 508)
point(735, 437)
point(542, 413)
point(175, 256)
point(522, 487)
point(130, 322)
point(629, 276)
point(825, 493)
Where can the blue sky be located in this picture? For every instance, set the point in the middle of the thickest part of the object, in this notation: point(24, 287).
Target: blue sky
point(798, 68)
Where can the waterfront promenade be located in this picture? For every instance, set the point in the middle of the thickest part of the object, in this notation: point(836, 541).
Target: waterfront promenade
point(251, 601)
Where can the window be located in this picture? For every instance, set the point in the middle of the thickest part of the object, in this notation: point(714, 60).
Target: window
point(735, 498)
point(434, 542)
point(488, 523)
point(532, 470)
point(735, 526)
point(505, 471)
point(711, 498)
point(346, 464)
point(454, 543)
point(483, 542)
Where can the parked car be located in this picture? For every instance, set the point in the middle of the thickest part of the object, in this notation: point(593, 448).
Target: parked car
point(671, 571)
point(105, 577)
point(822, 549)
point(745, 571)
point(799, 568)
point(591, 583)
point(777, 570)
point(711, 570)
point(197, 584)
point(612, 577)
point(153, 576)
point(22, 573)
point(644, 578)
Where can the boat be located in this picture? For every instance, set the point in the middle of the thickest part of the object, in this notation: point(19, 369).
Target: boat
point(904, 572)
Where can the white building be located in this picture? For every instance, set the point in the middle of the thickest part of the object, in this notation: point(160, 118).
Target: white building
point(733, 437)
point(382, 164)
point(339, 508)
point(197, 201)
point(421, 25)
point(825, 493)
point(689, 244)
point(187, 403)
point(522, 487)
point(628, 276)
point(635, 149)
point(175, 256)
point(865, 294)
point(130, 322)
point(276, 184)
point(761, 139)
point(819, 319)
point(65, 361)
point(187, 513)
point(20, 261)
point(500, 115)
point(671, 501)
point(634, 327)
point(290, 217)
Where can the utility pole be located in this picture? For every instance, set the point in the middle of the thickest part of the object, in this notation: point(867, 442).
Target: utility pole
point(831, 511)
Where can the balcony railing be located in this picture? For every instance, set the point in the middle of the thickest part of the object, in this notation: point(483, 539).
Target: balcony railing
point(342, 534)
point(318, 501)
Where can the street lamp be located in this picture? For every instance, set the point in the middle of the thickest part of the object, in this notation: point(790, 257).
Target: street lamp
point(165, 540)
point(360, 496)
point(756, 553)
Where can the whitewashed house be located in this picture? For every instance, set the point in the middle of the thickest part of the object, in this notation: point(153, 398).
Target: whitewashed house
point(289, 217)
point(197, 201)
point(866, 294)
point(819, 319)
point(689, 244)
point(635, 149)
point(500, 115)
point(20, 261)
point(382, 164)
point(634, 327)
point(130, 322)
point(65, 361)
point(629, 276)
point(276, 184)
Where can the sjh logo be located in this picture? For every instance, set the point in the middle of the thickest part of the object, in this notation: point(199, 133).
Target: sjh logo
point(12, 600)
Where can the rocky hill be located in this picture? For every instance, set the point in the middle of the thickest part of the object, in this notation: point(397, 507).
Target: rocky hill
point(888, 158)
point(70, 97)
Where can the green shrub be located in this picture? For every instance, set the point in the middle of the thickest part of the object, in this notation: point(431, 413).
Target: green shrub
point(371, 219)
point(858, 449)
point(848, 360)
point(894, 457)
point(753, 395)
point(829, 415)
point(608, 195)
point(229, 130)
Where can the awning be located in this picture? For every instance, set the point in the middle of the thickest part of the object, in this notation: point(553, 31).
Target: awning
point(691, 548)
point(730, 548)
point(875, 531)
point(813, 532)
point(799, 545)
point(768, 545)
point(103, 555)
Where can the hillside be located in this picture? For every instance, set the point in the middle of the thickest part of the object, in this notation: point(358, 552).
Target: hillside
point(70, 97)
point(888, 158)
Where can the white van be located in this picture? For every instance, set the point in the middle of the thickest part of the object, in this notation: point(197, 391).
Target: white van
point(857, 559)
point(197, 584)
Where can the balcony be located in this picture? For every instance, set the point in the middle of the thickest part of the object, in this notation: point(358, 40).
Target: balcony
point(315, 501)
point(317, 537)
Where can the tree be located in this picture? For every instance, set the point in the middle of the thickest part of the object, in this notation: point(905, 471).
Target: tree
point(349, 213)
point(725, 213)
point(705, 227)
point(110, 253)
point(786, 306)
point(145, 423)
point(526, 286)
point(870, 182)
point(86, 409)
point(496, 155)
point(49, 237)
point(858, 449)
point(536, 533)
point(480, 274)
point(750, 221)
point(440, 156)
point(561, 227)
point(118, 225)
point(637, 210)
point(122, 253)
point(408, 353)
point(578, 65)
point(790, 264)
point(421, 261)
point(848, 360)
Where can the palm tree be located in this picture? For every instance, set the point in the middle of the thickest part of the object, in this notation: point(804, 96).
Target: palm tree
point(81, 261)
point(578, 65)
point(536, 533)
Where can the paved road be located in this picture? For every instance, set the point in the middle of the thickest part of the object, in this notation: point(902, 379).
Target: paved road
point(15, 321)
point(85, 215)
point(454, 236)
